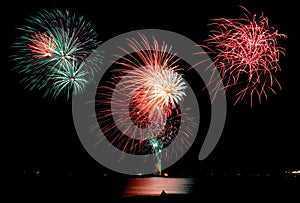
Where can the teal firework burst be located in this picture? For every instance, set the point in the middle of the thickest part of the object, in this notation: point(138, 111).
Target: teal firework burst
point(69, 78)
point(53, 50)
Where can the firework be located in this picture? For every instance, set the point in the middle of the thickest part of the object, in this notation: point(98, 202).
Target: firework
point(156, 73)
point(69, 78)
point(53, 50)
point(157, 146)
point(246, 55)
point(141, 102)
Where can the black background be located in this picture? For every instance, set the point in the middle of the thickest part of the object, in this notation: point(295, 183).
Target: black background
point(39, 135)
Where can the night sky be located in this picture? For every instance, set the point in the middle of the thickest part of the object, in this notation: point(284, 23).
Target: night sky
point(39, 133)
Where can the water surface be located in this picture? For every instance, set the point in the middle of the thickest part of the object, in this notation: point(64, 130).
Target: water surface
point(153, 186)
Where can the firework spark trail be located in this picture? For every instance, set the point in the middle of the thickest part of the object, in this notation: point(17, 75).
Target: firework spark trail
point(53, 53)
point(142, 101)
point(246, 55)
point(157, 146)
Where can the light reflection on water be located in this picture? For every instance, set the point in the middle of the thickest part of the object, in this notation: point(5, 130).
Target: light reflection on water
point(153, 186)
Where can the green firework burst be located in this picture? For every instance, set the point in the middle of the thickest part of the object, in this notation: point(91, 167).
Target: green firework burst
point(53, 52)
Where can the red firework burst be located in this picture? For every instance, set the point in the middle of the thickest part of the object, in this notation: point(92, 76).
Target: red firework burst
point(42, 45)
point(246, 55)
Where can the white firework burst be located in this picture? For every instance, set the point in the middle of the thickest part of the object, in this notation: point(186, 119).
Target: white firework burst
point(164, 86)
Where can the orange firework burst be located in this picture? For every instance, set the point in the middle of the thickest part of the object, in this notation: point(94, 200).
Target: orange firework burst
point(42, 45)
point(142, 101)
point(155, 72)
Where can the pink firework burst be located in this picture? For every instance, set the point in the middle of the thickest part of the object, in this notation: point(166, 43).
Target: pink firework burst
point(246, 56)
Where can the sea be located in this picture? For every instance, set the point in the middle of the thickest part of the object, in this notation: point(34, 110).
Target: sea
point(176, 189)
